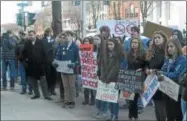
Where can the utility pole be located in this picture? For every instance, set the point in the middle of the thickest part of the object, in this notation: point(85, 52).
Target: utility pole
point(56, 17)
point(83, 19)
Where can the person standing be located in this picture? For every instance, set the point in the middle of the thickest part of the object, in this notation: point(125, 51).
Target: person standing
point(21, 64)
point(136, 62)
point(174, 67)
point(35, 58)
point(49, 45)
point(68, 51)
point(155, 57)
point(9, 58)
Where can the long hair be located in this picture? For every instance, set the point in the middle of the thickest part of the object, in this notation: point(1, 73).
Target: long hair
point(140, 52)
point(154, 47)
point(118, 48)
point(177, 45)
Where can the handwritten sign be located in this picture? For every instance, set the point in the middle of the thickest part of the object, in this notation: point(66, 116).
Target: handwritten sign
point(170, 88)
point(130, 81)
point(107, 92)
point(63, 67)
point(151, 85)
point(88, 69)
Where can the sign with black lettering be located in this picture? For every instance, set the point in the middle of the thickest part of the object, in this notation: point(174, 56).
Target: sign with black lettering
point(130, 81)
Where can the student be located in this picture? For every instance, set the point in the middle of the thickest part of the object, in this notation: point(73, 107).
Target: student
point(155, 57)
point(109, 70)
point(88, 46)
point(136, 61)
point(174, 67)
point(68, 51)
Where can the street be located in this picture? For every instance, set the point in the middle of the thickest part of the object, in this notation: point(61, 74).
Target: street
point(20, 107)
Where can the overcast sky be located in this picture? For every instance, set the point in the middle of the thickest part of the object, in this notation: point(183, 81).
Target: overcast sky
point(10, 8)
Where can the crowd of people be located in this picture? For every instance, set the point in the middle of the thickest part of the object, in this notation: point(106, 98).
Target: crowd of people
point(32, 58)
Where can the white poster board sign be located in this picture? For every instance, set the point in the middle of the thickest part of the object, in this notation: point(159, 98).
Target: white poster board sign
point(63, 67)
point(107, 92)
point(170, 88)
point(119, 27)
point(151, 85)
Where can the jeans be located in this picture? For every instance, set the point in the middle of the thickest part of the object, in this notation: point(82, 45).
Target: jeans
point(11, 64)
point(101, 106)
point(183, 106)
point(22, 74)
point(114, 109)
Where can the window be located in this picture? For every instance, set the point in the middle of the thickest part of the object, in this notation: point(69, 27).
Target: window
point(127, 12)
point(136, 11)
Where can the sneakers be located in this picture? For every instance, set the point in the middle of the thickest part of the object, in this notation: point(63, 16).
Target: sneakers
point(85, 103)
point(23, 92)
point(48, 98)
point(95, 115)
point(35, 97)
point(102, 116)
point(65, 105)
point(72, 105)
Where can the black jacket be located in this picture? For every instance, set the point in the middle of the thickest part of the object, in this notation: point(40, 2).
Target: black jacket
point(157, 62)
point(36, 58)
point(49, 48)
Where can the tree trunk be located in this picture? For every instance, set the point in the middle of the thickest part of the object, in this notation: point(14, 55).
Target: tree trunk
point(56, 17)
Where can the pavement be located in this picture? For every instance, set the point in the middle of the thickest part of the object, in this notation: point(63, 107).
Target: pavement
point(20, 107)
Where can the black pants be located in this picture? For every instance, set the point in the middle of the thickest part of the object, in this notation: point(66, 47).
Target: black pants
point(133, 107)
point(160, 110)
point(173, 109)
point(87, 97)
point(51, 77)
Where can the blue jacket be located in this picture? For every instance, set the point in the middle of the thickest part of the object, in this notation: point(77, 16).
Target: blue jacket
point(176, 69)
point(127, 43)
point(63, 53)
point(123, 64)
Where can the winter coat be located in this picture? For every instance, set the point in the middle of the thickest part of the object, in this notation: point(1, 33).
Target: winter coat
point(65, 53)
point(109, 73)
point(49, 46)
point(8, 48)
point(36, 58)
point(19, 49)
point(156, 62)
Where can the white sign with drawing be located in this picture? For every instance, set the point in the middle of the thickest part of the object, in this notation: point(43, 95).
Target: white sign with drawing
point(63, 67)
point(170, 88)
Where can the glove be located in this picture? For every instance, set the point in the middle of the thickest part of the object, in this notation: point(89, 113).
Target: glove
point(55, 65)
point(160, 78)
point(72, 65)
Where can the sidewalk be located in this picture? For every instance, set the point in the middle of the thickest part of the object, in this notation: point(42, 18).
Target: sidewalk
point(20, 107)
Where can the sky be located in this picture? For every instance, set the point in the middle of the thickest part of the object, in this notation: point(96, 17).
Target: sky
point(10, 8)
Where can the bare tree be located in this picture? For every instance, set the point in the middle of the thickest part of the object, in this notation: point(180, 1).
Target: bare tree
point(115, 8)
point(94, 8)
point(147, 8)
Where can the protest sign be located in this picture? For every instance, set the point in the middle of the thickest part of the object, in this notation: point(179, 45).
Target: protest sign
point(63, 67)
point(130, 81)
point(88, 69)
point(151, 27)
point(170, 88)
point(126, 95)
point(151, 85)
point(119, 27)
point(107, 92)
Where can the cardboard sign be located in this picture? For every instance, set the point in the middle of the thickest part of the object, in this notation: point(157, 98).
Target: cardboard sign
point(150, 28)
point(107, 92)
point(63, 67)
point(130, 81)
point(119, 27)
point(151, 85)
point(170, 88)
point(88, 69)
